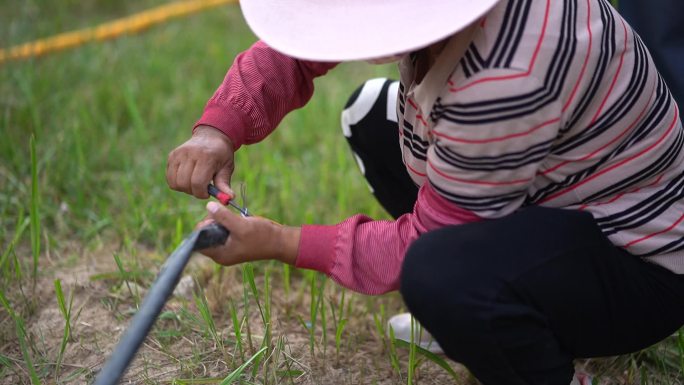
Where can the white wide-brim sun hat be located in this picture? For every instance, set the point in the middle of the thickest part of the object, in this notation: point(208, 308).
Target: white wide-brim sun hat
point(345, 30)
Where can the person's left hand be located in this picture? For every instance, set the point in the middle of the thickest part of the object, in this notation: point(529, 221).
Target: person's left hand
point(251, 238)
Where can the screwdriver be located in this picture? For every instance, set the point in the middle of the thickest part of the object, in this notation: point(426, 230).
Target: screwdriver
point(226, 199)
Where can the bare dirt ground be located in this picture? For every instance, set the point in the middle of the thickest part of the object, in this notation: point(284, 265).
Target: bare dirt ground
point(101, 311)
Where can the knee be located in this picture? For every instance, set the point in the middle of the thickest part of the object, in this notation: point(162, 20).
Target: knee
point(452, 256)
point(444, 280)
point(369, 105)
point(448, 286)
point(419, 270)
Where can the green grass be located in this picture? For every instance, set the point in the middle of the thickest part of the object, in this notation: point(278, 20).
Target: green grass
point(65, 310)
point(22, 340)
point(35, 212)
point(233, 376)
point(84, 138)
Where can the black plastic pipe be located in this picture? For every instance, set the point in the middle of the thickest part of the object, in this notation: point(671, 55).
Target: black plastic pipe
point(160, 291)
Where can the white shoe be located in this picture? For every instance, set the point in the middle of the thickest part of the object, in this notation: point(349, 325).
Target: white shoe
point(401, 325)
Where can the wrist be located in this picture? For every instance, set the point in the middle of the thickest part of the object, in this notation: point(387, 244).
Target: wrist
point(213, 133)
point(287, 244)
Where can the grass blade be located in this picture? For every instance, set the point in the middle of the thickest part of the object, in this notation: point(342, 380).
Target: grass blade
point(20, 329)
point(680, 347)
point(246, 302)
point(249, 274)
point(338, 335)
point(203, 307)
point(4, 364)
point(66, 313)
point(34, 212)
point(266, 319)
point(378, 320)
point(394, 358)
point(237, 372)
point(412, 354)
point(124, 275)
point(180, 233)
point(324, 323)
point(441, 362)
point(22, 224)
point(237, 329)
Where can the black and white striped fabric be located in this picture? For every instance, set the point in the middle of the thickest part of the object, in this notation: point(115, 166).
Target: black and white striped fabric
point(555, 103)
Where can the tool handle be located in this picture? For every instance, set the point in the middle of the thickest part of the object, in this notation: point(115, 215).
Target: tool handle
point(218, 194)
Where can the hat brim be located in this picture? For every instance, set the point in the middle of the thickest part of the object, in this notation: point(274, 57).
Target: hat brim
point(326, 30)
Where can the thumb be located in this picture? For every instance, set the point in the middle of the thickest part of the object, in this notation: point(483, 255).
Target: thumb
point(222, 215)
point(222, 180)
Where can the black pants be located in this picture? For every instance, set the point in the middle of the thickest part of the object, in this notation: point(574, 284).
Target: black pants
point(516, 299)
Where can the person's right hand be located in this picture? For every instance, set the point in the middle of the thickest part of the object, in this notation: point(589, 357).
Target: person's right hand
point(206, 156)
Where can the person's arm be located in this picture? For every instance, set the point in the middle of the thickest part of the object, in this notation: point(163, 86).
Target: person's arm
point(260, 88)
point(366, 255)
point(464, 185)
point(359, 253)
point(479, 167)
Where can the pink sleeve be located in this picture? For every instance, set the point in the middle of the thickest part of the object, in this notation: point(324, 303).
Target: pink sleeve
point(261, 87)
point(366, 255)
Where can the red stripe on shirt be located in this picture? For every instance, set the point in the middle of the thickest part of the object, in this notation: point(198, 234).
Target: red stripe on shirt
point(422, 120)
point(478, 182)
point(414, 170)
point(412, 104)
point(672, 227)
point(533, 60)
point(612, 141)
point(617, 197)
point(617, 165)
point(499, 138)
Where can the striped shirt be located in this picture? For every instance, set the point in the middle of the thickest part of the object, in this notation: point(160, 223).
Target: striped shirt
point(552, 103)
point(557, 104)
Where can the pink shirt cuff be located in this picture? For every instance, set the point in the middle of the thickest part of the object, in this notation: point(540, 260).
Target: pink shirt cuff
point(317, 248)
point(228, 121)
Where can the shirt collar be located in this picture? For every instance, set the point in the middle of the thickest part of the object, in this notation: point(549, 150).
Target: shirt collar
point(428, 90)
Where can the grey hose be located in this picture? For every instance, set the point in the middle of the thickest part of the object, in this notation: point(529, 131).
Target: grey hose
point(160, 291)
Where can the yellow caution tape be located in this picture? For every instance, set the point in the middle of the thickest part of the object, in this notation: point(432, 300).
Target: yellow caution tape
point(110, 30)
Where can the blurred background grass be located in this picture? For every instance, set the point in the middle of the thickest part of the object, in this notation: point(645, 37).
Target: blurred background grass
point(106, 115)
